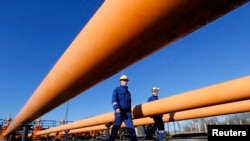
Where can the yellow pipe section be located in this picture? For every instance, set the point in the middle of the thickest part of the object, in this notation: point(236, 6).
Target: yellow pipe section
point(119, 34)
point(215, 110)
point(234, 90)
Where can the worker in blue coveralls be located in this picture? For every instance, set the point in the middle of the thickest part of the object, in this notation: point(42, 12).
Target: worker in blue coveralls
point(121, 101)
point(157, 118)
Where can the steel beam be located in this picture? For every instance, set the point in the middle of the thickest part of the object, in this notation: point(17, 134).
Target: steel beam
point(118, 35)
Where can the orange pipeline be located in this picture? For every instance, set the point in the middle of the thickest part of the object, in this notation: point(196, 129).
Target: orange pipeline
point(121, 33)
point(221, 109)
point(230, 91)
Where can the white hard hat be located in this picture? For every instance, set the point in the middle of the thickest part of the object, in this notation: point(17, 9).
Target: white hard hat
point(155, 89)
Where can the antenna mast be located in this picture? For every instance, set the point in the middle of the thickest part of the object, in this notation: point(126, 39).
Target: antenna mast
point(66, 114)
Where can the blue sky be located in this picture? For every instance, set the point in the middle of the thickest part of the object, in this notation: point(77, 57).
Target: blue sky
point(34, 34)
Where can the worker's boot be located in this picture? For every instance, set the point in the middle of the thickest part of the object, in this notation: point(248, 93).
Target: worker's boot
point(161, 136)
point(111, 138)
point(132, 134)
point(133, 137)
point(113, 134)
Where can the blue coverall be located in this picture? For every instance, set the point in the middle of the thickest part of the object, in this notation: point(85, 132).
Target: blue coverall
point(158, 120)
point(121, 99)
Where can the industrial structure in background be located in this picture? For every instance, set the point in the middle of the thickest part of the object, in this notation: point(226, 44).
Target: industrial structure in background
point(148, 131)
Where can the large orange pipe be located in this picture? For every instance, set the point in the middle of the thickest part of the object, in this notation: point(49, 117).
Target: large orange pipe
point(221, 109)
point(234, 90)
point(118, 35)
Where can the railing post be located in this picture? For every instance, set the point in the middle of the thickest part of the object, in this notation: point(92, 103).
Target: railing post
point(25, 132)
point(108, 129)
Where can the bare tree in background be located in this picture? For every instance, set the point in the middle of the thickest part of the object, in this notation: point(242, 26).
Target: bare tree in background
point(239, 119)
point(200, 124)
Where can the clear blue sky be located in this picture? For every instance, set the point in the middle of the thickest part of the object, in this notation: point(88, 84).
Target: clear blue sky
point(34, 34)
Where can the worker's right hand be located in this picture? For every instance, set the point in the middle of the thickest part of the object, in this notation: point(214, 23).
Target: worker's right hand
point(117, 110)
